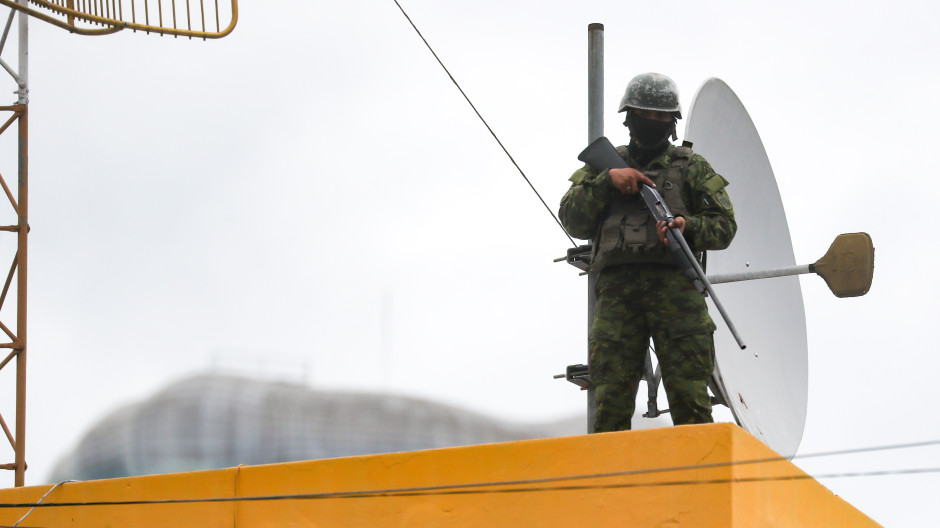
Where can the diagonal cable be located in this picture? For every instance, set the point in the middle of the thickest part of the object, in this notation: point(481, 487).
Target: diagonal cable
point(477, 112)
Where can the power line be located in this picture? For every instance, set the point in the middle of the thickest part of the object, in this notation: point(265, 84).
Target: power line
point(471, 489)
point(533, 485)
point(855, 450)
point(477, 112)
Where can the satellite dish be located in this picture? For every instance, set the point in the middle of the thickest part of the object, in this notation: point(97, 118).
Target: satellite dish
point(765, 386)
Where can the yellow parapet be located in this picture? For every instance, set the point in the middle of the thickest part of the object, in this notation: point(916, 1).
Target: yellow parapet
point(703, 476)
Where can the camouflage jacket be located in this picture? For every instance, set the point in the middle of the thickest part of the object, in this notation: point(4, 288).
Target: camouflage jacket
point(709, 226)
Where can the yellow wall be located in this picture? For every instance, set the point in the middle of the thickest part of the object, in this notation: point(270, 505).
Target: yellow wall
point(515, 484)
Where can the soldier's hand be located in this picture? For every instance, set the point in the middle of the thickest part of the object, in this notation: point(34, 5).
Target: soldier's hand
point(678, 223)
point(629, 180)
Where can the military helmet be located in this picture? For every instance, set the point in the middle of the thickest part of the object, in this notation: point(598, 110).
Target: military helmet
point(652, 91)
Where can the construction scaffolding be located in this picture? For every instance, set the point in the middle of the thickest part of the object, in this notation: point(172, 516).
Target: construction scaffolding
point(180, 18)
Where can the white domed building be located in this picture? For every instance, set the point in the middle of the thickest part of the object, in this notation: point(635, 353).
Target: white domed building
point(214, 421)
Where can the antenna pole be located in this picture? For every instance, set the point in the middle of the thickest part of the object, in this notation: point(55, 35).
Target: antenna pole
point(595, 130)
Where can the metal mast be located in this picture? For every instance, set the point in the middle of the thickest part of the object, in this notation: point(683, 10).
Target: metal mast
point(580, 256)
point(595, 130)
point(17, 344)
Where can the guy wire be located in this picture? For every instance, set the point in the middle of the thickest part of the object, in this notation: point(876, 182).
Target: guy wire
point(477, 112)
point(44, 495)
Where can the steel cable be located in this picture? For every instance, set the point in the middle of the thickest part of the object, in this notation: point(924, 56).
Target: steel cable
point(492, 133)
point(526, 486)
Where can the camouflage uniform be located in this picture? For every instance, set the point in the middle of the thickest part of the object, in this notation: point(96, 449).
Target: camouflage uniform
point(636, 301)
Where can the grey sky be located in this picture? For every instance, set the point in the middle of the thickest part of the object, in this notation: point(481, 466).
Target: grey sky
point(313, 189)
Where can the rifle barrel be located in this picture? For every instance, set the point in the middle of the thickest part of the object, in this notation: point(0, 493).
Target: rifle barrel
point(705, 282)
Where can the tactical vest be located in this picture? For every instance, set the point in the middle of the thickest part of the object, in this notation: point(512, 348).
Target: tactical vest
point(628, 233)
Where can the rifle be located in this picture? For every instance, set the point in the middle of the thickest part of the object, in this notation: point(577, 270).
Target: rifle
point(601, 155)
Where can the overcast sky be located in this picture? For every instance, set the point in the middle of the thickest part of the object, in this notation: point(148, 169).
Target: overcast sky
point(312, 191)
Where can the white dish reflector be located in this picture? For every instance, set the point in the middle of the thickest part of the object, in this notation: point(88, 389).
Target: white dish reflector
point(766, 384)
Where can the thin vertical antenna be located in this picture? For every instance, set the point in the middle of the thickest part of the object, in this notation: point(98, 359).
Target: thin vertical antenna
point(385, 347)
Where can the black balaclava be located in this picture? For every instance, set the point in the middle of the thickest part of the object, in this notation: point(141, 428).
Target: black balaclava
point(648, 137)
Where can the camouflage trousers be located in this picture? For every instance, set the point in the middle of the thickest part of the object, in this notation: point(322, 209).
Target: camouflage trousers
point(634, 303)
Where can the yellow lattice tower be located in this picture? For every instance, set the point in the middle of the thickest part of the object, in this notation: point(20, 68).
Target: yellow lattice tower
point(181, 18)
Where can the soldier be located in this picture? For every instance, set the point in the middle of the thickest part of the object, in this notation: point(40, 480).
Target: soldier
point(641, 292)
